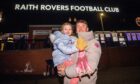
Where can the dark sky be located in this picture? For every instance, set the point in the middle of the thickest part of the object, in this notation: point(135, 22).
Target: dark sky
point(18, 21)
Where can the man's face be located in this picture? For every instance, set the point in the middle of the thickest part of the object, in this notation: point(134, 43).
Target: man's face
point(81, 27)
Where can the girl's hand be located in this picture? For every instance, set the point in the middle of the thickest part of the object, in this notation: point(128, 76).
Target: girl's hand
point(61, 70)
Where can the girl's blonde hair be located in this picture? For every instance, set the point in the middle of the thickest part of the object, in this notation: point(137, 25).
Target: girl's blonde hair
point(64, 24)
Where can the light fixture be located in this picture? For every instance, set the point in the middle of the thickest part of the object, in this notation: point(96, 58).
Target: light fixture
point(101, 14)
point(75, 19)
point(1, 16)
point(101, 18)
point(69, 19)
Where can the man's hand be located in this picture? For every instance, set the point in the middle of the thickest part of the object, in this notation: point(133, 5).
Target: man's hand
point(81, 44)
point(61, 70)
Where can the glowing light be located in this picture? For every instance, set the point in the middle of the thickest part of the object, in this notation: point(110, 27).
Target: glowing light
point(101, 14)
point(0, 16)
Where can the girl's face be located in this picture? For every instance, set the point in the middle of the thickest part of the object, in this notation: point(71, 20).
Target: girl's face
point(67, 29)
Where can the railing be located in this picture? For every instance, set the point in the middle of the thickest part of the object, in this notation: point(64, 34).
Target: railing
point(25, 44)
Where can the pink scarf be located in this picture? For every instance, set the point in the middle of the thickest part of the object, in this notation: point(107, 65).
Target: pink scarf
point(73, 80)
point(82, 66)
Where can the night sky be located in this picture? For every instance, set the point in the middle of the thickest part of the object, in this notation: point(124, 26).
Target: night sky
point(18, 21)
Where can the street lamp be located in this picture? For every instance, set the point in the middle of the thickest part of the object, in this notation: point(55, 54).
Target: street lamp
point(101, 18)
point(0, 16)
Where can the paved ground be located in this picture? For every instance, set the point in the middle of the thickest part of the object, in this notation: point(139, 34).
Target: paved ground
point(119, 75)
point(115, 75)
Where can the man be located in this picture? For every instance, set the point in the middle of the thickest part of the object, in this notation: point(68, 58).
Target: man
point(93, 53)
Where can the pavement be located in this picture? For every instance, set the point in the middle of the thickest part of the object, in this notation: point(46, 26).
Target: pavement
point(112, 75)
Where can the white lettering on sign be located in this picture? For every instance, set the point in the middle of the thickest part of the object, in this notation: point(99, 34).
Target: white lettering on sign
point(26, 7)
point(50, 7)
point(111, 9)
point(85, 8)
point(55, 7)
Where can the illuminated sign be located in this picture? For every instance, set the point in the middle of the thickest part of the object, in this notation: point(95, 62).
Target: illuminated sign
point(138, 21)
point(114, 36)
point(41, 32)
point(128, 35)
point(138, 36)
point(134, 38)
point(50, 7)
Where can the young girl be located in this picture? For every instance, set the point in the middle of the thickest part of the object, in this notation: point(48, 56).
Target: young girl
point(64, 45)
